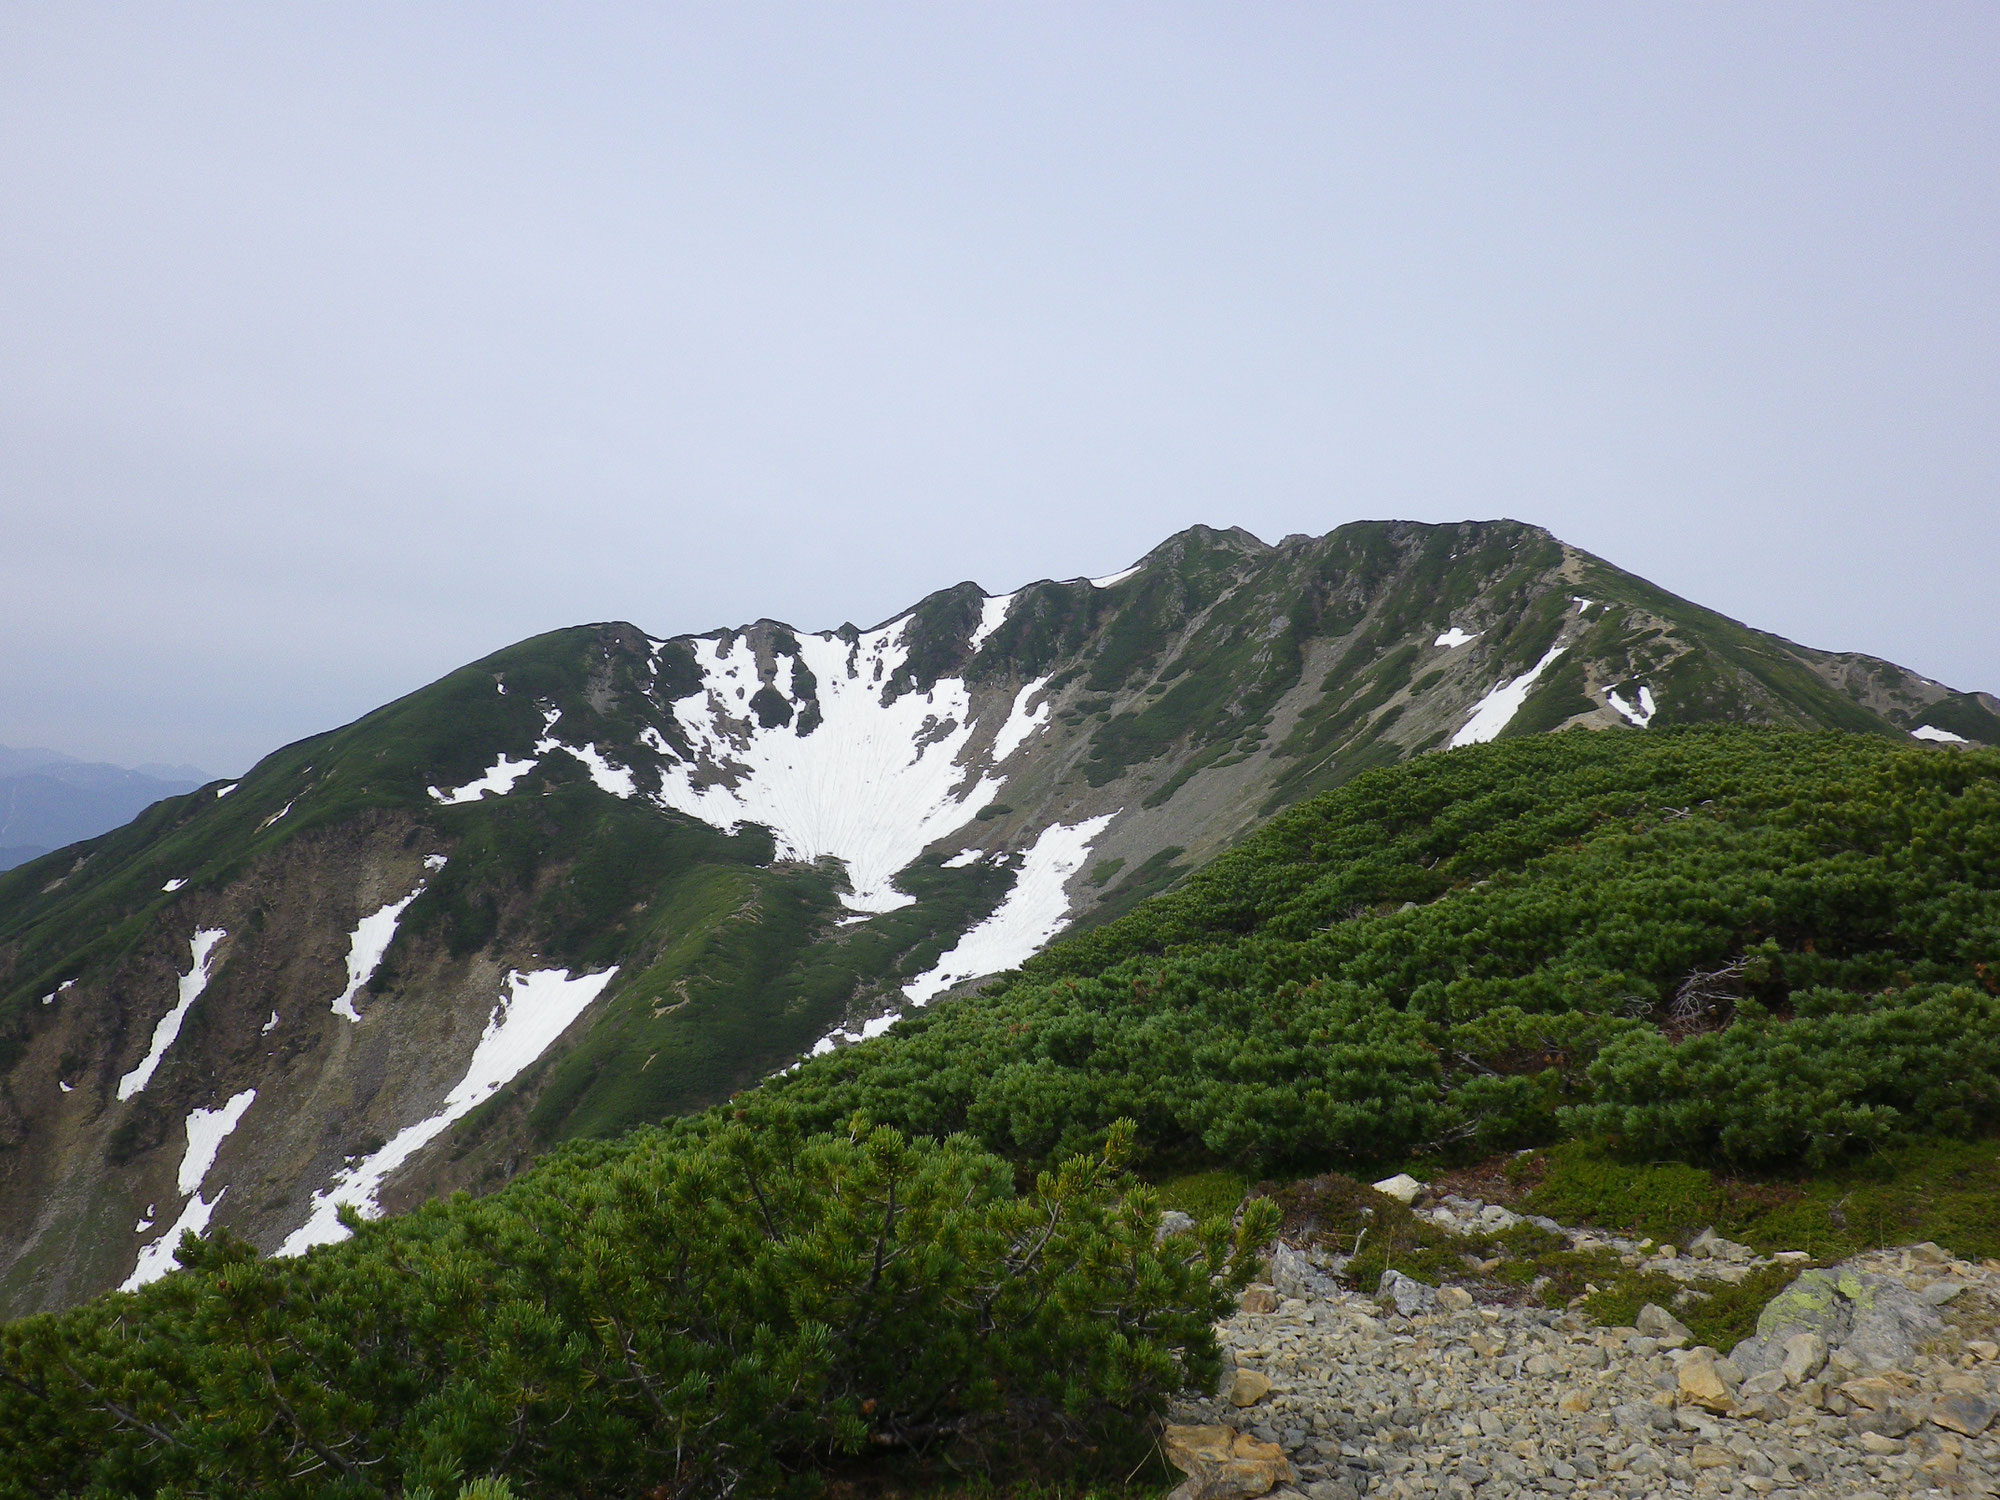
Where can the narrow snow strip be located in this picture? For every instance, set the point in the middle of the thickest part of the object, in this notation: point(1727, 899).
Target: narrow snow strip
point(202, 945)
point(1493, 711)
point(269, 1026)
point(207, 1129)
point(1938, 736)
point(50, 997)
point(1033, 911)
point(173, 885)
point(963, 858)
point(1456, 637)
point(275, 816)
point(873, 785)
point(368, 942)
point(1640, 713)
point(536, 1009)
point(992, 615)
point(63, 1086)
point(224, 791)
point(1112, 580)
point(1020, 723)
point(498, 780)
point(609, 777)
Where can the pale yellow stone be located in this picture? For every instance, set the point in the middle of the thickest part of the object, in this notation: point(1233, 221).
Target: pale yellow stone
point(1574, 1402)
point(1702, 1385)
point(1708, 1456)
point(1248, 1388)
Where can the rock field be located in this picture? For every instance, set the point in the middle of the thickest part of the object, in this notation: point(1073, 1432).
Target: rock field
point(1876, 1377)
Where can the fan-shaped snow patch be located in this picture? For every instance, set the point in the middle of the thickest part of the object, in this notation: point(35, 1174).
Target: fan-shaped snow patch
point(1028, 918)
point(173, 885)
point(1456, 637)
point(1493, 712)
point(224, 791)
point(1938, 736)
point(207, 1129)
point(610, 777)
point(873, 785)
point(499, 780)
point(366, 945)
point(1111, 580)
point(963, 858)
point(840, 1036)
point(1020, 722)
point(536, 1009)
point(992, 615)
point(1640, 713)
point(202, 946)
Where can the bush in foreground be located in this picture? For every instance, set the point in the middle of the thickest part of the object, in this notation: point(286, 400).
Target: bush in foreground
point(722, 1312)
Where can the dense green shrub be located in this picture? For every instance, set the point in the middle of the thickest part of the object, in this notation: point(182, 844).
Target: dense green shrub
point(721, 1312)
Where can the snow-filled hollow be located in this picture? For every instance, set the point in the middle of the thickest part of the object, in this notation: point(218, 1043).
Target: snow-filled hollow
point(192, 983)
point(1938, 736)
point(207, 1129)
point(1021, 721)
point(873, 785)
point(534, 1009)
point(1455, 637)
point(1493, 712)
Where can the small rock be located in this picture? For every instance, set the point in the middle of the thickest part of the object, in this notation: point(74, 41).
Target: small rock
point(1454, 1298)
point(1940, 1292)
point(1248, 1388)
point(1708, 1456)
point(1404, 1188)
point(1982, 1349)
point(1573, 1402)
point(1173, 1222)
point(1260, 1299)
point(1484, 1344)
point(1882, 1443)
point(1889, 1421)
point(1804, 1357)
point(1655, 1321)
point(1701, 1383)
point(1929, 1252)
point(1792, 1257)
point(1966, 1413)
point(1873, 1392)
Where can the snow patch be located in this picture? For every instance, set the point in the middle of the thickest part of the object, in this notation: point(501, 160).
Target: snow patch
point(499, 780)
point(992, 615)
point(1640, 713)
point(434, 861)
point(202, 946)
point(1112, 580)
point(50, 997)
point(1456, 637)
point(275, 816)
point(269, 1026)
point(609, 776)
point(963, 858)
point(536, 1008)
point(63, 1086)
point(1033, 911)
point(1020, 723)
point(874, 785)
point(1493, 712)
point(173, 885)
point(1938, 736)
point(207, 1129)
point(224, 791)
point(368, 942)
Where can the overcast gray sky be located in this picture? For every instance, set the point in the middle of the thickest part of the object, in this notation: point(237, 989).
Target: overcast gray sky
point(341, 344)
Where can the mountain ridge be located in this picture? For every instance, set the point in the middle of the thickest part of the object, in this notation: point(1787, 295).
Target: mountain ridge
point(752, 844)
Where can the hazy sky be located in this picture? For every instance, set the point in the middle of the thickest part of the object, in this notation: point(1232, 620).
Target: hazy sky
point(341, 344)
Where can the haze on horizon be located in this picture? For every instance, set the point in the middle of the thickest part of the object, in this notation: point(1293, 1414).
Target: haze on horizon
point(346, 344)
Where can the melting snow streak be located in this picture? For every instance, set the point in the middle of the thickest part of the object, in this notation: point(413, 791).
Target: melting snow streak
point(207, 1129)
point(1640, 714)
point(498, 780)
point(1493, 711)
point(1028, 918)
point(536, 1009)
point(192, 984)
point(366, 945)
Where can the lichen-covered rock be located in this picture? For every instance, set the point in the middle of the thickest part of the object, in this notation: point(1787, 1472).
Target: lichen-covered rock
point(1408, 1295)
point(1873, 1318)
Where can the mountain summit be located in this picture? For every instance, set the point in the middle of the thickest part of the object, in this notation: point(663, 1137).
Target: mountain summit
point(600, 877)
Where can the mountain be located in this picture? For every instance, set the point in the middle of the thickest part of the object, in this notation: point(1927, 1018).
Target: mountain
point(600, 878)
point(48, 799)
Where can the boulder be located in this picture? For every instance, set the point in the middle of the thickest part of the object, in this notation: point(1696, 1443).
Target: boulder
point(1173, 1222)
point(1294, 1275)
point(1406, 1294)
point(1248, 1388)
point(1259, 1299)
point(1404, 1188)
point(1655, 1321)
point(1701, 1382)
point(1964, 1412)
point(1222, 1464)
point(1874, 1320)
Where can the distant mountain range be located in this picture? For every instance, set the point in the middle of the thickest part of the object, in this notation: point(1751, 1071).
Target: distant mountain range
point(48, 799)
point(600, 877)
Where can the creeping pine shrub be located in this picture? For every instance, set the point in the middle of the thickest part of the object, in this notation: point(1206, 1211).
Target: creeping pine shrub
point(718, 1312)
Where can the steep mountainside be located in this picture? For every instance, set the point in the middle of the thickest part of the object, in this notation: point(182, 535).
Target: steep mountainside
point(599, 878)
